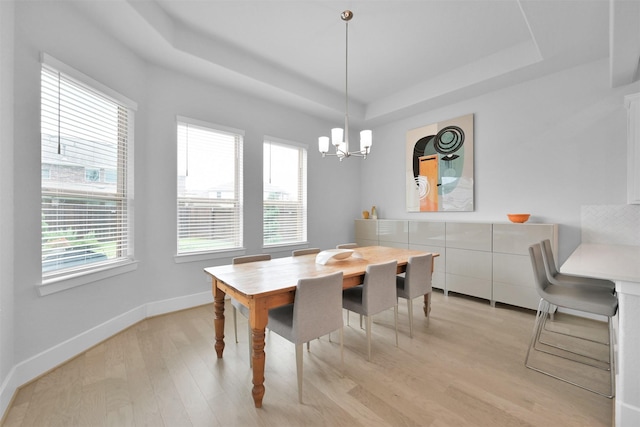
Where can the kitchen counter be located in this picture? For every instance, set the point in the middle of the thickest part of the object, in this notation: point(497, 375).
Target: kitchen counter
point(613, 262)
point(621, 264)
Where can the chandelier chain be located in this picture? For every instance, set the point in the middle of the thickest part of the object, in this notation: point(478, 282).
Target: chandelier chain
point(346, 86)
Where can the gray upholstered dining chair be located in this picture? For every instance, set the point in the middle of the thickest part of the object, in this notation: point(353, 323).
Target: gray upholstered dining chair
point(558, 278)
point(347, 246)
point(589, 299)
point(237, 305)
point(307, 251)
point(415, 282)
point(376, 294)
point(316, 311)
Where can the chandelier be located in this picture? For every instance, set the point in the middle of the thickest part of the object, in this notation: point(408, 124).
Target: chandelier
point(339, 136)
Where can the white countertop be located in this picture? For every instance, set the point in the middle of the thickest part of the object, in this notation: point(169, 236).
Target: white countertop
point(613, 262)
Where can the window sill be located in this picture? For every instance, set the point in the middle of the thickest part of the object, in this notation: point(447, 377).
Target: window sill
point(285, 247)
point(205, 256)
point(72, 280)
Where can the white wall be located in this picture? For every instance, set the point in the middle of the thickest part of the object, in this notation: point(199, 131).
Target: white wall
point(171, 94)
point(42, 331)
point(55, 28)
point(546, 147)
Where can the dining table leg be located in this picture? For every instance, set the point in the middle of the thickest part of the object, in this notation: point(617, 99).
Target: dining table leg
point(427, 296)
point(427, 304)
point(218, 322)
point(258, 318)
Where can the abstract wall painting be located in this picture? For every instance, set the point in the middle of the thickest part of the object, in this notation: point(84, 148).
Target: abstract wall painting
point(439, 173)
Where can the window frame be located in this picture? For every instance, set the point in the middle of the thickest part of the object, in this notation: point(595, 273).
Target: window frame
point(62, 279)
point(238, 200)
point(303, 191)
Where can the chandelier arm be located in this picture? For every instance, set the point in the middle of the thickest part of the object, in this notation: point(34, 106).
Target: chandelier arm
point(361, 153)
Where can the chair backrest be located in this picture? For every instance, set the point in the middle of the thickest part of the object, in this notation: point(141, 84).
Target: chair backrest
point(547, 257)
point(317, 307)
point(347, 246)
point(379, 287)
point(539, 272)
point(307, 251)
point(250, 258)
point(417, 280)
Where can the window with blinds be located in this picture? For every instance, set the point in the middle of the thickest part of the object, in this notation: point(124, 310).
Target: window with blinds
point(85, 142)
point(209, 187)
point(284, 193)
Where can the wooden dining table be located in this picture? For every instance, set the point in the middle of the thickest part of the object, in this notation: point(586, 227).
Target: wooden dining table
point(263, 285)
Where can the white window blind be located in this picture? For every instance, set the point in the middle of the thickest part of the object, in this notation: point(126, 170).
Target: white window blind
point(284, 193)
point(209, 187)
point(85, 164)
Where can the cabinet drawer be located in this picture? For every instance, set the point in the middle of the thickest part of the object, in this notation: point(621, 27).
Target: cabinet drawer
point(439, 261)
point(513, 269)
point(427, 233)
point(365, 242)
point(438, 280)
point(520, 296)
point(366, 229)
point(468, 285)
point(390, 230)
point(467, 263)
point(391, 244)
point(468, 236)
point(516, 238)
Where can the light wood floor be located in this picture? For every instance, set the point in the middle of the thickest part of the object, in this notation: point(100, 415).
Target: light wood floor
point(464, 369)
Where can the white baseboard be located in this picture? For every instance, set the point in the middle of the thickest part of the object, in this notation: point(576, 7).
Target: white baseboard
point(41, 363)
point(179, 303)
point(627, 415)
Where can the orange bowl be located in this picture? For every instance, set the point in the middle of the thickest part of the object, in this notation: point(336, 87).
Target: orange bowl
point(519, 218)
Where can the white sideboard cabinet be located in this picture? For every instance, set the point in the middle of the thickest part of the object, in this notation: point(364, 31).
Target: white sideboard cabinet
point(485, 260)
point(513, 280)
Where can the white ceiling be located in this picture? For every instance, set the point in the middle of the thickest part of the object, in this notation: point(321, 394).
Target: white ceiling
point(403, 55)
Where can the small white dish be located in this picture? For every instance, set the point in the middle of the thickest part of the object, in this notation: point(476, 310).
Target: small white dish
point(324, 256)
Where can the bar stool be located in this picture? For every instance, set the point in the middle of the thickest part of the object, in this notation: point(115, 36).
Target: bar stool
point(589, 299)
point(562, 279)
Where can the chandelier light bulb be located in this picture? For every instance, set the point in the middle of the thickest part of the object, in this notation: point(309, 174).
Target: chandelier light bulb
point(366, 139)
point(323, 144)
point(337, 136)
